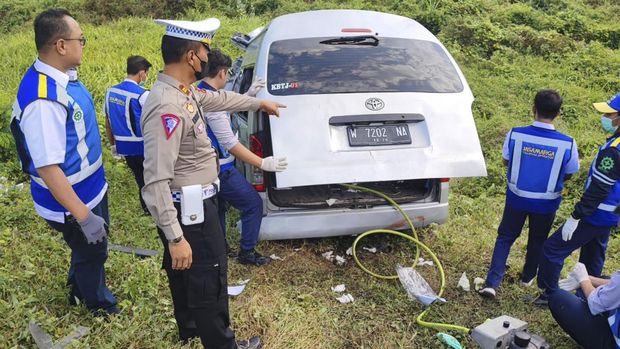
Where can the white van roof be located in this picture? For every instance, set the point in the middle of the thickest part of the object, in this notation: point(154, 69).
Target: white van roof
point(325, 23)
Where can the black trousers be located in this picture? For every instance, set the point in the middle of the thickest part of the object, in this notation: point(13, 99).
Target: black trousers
point(135, 163)
point(200, 293)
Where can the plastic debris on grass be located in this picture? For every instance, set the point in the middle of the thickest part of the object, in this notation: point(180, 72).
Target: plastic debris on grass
point(416, 286)
point(449, 340)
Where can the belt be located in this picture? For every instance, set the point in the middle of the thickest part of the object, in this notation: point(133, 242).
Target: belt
point(207, 192)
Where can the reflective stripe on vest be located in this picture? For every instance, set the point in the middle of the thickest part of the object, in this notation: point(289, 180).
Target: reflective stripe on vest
point(77, 177)
point(561, 145)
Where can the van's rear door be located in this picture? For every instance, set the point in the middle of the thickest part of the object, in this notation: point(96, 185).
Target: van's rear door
point(370, 111)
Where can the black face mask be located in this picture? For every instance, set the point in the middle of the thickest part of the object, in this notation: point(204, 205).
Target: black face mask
point(203, 70)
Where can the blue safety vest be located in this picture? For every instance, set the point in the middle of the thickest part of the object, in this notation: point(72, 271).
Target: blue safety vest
point(614, 323)
point(604, 215)
point(536, 168)
point(83, 165)
point(227, 160)
point(122, 106)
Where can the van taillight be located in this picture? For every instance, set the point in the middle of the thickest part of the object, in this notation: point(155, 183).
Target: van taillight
point(444, 180)
point(256, 147)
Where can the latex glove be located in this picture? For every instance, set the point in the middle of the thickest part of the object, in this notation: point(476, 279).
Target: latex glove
point(271, 164)
point(569, 228)
point(93, 228)
point(580, 273)
point(256, 86)
point(569, 284)
point(114, 153)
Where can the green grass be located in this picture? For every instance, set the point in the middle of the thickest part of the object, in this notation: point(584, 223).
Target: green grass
point(506, 49)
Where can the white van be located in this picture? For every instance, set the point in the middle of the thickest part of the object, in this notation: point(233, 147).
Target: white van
point(372, 99)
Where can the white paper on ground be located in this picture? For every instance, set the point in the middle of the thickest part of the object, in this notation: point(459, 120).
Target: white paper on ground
point(345, 298)
point(349, 251)
point(276, 258)
point(236, 290)
point(370, 249)
point(422, 262)
point(464, 283)
point(338, 288)
point(479, 284)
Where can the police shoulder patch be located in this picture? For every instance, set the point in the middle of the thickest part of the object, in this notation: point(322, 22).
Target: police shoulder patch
point(171, 122)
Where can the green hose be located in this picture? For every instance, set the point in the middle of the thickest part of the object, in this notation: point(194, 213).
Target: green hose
point(413, 238)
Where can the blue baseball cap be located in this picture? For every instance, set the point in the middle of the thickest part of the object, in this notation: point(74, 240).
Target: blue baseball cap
point(611, 106)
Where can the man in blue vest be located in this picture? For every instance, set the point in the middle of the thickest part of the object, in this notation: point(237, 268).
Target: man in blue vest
point(234, 188)
point(58, 143)
point(589, 225)
point(123, 109)
point(539, 160)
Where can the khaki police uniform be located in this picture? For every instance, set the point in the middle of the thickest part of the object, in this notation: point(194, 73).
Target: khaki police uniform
point(178, 153)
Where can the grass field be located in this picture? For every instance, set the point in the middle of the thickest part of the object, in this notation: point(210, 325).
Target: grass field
point(507, 50)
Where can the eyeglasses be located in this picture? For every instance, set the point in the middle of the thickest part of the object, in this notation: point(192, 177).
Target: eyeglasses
point(82, 41)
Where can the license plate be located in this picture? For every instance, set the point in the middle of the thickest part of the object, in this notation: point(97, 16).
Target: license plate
point(378, 135)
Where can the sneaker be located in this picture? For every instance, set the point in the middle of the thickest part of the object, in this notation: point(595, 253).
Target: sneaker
point(527, 284)
point(487, 292)
point(252, 343)
point(253, 258)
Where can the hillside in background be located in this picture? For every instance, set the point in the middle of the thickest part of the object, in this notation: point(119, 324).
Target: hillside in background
point(507, 50)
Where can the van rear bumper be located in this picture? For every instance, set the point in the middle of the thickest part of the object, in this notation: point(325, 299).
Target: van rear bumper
point(299, 224)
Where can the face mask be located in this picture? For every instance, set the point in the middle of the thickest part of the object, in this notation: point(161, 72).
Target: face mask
point(203, 70)
point(608, 124)
point(141, 83)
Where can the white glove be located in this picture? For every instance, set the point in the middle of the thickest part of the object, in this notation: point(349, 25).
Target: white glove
point(580, 273)
point(271, 164)
point(256, 86)
point(569, 228)
point(569, 284)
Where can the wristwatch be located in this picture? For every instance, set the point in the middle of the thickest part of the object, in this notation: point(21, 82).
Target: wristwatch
point(176, 240)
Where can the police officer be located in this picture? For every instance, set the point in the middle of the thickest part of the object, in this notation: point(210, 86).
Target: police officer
point(180, 175)
point(589, 225)
point(57, 138)
point(123, 108)
point(539, 160)
point(234, 188)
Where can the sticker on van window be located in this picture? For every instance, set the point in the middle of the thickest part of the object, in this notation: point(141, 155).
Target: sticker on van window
point(284, 85)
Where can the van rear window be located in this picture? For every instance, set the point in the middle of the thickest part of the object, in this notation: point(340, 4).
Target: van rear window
point(327, 65)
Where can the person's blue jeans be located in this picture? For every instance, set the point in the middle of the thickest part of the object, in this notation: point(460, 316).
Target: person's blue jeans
point(239, 193)
point(86, 272)
point(508, 231)
point(573, 315)
point(591, 239)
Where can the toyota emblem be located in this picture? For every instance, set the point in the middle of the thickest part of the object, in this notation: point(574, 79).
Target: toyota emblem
point(374, 104)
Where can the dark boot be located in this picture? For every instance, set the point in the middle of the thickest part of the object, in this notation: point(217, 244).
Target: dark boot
point(253, 258)
point(252, 343)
